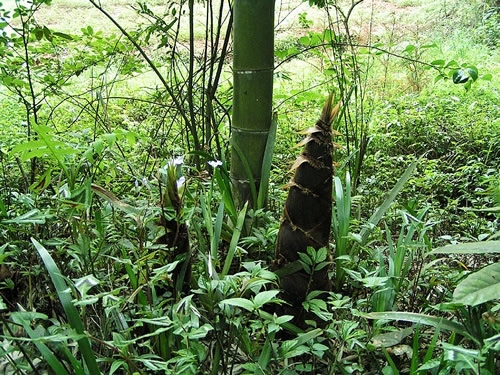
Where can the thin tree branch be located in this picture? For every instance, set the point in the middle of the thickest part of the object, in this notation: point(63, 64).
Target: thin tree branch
point(288, 58)
point(151, 64)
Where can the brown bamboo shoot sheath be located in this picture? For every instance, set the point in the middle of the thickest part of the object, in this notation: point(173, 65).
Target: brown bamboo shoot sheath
point(308, 209)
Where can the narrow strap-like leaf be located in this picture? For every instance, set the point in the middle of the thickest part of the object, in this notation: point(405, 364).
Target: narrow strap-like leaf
point(72, 313)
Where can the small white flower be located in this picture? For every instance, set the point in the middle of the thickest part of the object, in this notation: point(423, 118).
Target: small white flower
point(215, 163)
point(179, 160)
point(180, 182)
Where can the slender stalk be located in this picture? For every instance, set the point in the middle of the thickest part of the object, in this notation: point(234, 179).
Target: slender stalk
point(177, 102)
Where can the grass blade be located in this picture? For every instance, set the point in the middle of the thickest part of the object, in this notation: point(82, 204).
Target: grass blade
point(341, 223)
point(234, 240)
point(207, 216)
point(215, 240)
point(267, 164)
point(433, 321)
point(267, 349)
point(382, 209)
point(72, 313)
point(224, 183)
point(44, 350)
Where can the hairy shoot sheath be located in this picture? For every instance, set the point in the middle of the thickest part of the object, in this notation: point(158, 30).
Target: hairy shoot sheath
point(308, 212)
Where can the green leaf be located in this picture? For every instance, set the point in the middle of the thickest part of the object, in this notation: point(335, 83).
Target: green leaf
point(430, 45)
point(88, 30)
point(252, 368)
point(20, 318)
point(111, 198)
point(341, 220)
point(285, 324)
point(481, 247)
point(215, 240)
point(97, 146)
point(375, 281)
point(480, 287)
point(38, 31)
point(116, 366)
point(234, 240)
point(452, 64)
point(433, 321)
point(306, 337)
point(321, 265)
point(410, 48)
point(27, 146)
point(110, 138)
point(72, 313)
point(460, 76)
point(265, 297)
point(267, 163)
point(439, 77)
point(62, 35)
point(321, 255)
point(32, 217)
point(487, 209)
point(247, 169)
point(81, 196)
point(297, 351)
point(318, 3)
point(239, 302)
point(391, 338)
point(305, 41)
point(84, 284)
point(382, 209)
point(473, 72)
point(328, 35)
point(439, 63)
point(265, 354)
point(306, 259)
point(46, 145)
point(224, 183)
point(429, 365)
point(283, 319)
point(3, 305)
point(47, 33)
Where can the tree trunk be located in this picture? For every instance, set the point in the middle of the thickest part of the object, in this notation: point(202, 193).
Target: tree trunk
point(253, 65)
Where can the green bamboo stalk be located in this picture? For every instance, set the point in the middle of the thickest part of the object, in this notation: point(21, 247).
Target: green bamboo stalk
point(253, 66)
